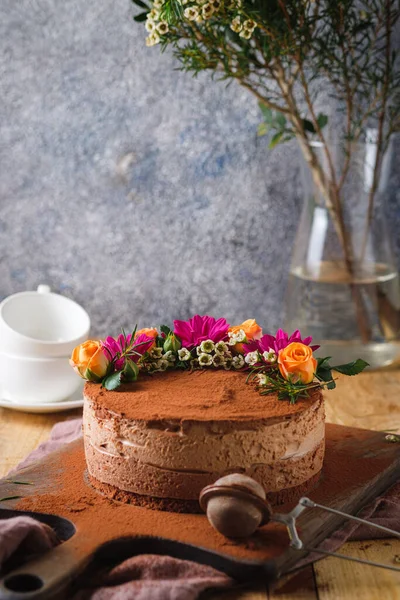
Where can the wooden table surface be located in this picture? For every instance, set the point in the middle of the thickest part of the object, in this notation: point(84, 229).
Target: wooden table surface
point(370, 401)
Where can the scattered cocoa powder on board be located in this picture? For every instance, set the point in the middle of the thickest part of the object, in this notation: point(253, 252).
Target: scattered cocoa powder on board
point(99, 519)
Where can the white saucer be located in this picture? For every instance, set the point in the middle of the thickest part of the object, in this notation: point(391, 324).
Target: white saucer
point(74, 401)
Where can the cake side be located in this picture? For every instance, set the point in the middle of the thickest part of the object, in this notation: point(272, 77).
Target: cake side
point(173, 459)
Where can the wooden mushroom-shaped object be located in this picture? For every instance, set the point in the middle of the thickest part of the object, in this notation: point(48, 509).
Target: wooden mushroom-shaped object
point(235, 505)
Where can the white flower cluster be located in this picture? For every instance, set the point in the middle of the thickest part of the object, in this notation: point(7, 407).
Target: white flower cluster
point(244, 28)
point(197, 11)
point(202, 10)
point(155, 26)
point(157, 360)
point(252, 358)
point(210, 354)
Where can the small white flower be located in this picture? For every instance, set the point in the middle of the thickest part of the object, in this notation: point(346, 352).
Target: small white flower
point(205, 360)
point(170, 356)
point(236, 25)
point(218, 360)
point(195, 363)
point(238, 361)
point(153, 14)
point(158, 3)
point(152, 39)
point(252, 358)
point(150, 25)
point(184, 354)
point(162, 28)
point(216, 4)
point(270, 356)
point(156, 352)
point(207, 346)
point(249, 25)
point(236, 338)
point(221, 348)
point(246, 34)
point(262, 379)
point(207, 10)
point(191, 13)
point(162, 365)
point(228, 354)
point(228, 364)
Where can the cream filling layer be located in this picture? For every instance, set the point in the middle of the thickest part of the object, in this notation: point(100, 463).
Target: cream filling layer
point(306, 447)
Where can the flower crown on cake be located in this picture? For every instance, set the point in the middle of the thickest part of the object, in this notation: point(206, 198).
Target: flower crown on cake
point(279, 363)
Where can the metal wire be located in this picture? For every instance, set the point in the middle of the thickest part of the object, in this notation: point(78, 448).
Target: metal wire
point(290, 521)
point(352, 558)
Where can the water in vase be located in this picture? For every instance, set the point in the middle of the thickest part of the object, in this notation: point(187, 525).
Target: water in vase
point(350, 318)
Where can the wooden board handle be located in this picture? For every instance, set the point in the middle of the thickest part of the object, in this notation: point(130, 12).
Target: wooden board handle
point(44, 577)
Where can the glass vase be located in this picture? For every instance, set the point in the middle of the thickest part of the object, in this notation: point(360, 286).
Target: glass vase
point(343, 286)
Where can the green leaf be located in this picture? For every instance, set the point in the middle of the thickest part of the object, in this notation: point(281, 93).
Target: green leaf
point(131, 370)
point(325, 374)
point(323, 363)
point(141, 4)
point(322, 120)
point(140, 18)
point(308, 126)
point(90, 376)
point(352, 368)
point(112, 382)
point(165, 329)
point(160, 341)
point(262, 129)
point(275, 139)
point(10, 498)
point(266, 112)
point(280, 120)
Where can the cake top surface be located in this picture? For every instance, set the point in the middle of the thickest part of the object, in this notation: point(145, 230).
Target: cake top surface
point(202, 395)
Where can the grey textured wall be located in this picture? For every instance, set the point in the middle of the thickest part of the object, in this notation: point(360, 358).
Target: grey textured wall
point(140, 192)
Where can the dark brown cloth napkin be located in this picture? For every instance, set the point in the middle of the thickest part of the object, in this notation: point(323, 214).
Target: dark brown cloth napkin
point(164, 577)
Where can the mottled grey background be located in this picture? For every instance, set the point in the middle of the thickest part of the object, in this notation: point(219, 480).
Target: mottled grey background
point(140, 192)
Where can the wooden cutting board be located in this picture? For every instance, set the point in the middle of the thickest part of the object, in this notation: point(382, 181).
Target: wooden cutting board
point(359, 466)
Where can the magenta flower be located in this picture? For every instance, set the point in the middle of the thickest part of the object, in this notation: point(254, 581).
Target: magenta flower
point(277, 342)
point(120, 348)
point(198, 329)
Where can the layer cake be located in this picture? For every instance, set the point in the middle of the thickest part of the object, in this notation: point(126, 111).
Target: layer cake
point(159, 441)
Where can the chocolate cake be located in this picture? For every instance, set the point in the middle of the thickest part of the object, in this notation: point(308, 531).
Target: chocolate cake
point(157, 442)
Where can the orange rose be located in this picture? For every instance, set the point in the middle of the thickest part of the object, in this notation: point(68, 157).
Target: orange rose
point(150, 332)
point(89, 361)
point(251, 330)
point(296, 363)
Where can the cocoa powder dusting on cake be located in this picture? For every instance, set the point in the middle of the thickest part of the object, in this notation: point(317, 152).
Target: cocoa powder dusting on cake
point(204, 395)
